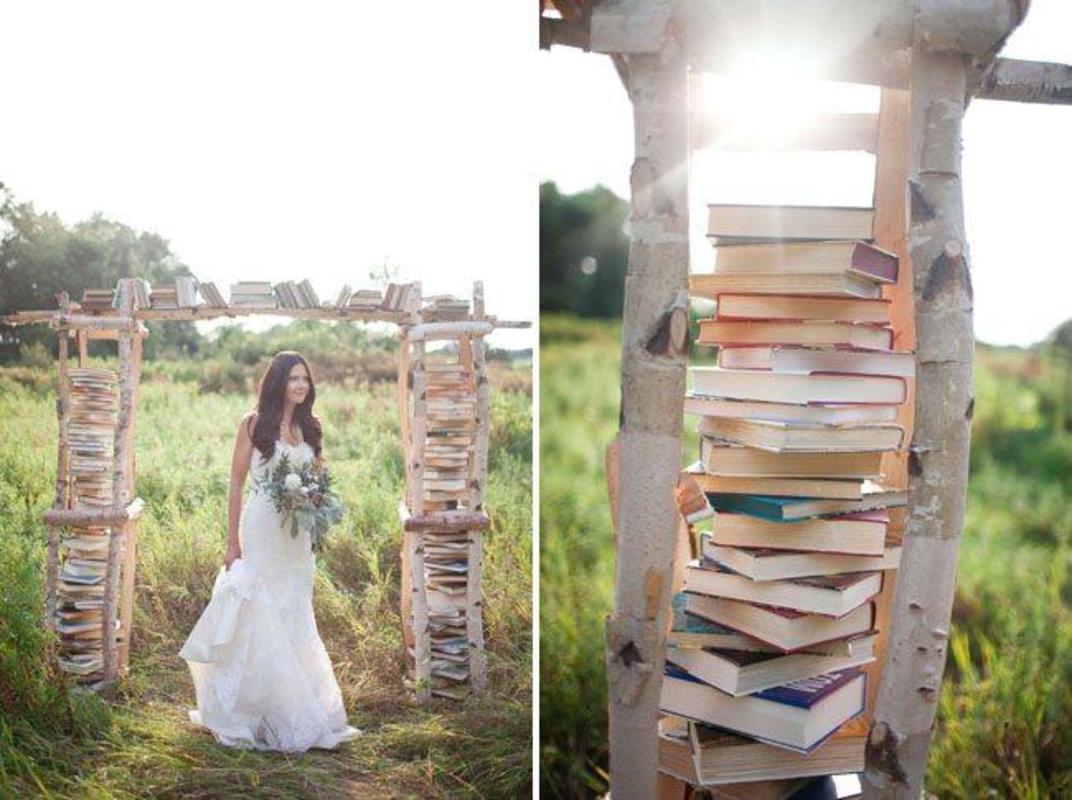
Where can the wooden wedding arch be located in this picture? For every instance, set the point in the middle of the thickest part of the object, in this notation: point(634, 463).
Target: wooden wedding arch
point(443, 410)
point(930, 57)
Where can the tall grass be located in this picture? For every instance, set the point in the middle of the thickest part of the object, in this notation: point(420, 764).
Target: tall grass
point(1003, 725)
point(57, 743)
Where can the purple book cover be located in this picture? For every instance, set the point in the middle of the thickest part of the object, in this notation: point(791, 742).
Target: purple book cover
point(809, 691)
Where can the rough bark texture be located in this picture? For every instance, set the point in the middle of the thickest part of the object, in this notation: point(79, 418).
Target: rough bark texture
point(938, 468)
point(449, 330)
point(130, 551)
point(121, 490)
point(649, 440)
point(474, 611)
point(60, 501)
point(1027, 82)
point(95, 516)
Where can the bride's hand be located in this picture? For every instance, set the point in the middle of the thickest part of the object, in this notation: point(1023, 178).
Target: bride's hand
point(234, 552)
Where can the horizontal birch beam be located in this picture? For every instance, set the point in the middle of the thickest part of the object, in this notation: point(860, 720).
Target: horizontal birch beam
point(510, 323)
point(818, 132)
point(95, 516)
point(86, 322)
point(427, 331)
point(1027, 82)
point(446, 521)
point(804, 27)
point(113, 322)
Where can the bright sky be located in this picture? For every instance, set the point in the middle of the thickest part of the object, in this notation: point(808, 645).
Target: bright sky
point(1017, 168)
point(272, 142)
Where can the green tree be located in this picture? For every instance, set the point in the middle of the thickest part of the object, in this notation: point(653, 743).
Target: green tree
point(41, 256)
point(1058, 346)
point(583, 251)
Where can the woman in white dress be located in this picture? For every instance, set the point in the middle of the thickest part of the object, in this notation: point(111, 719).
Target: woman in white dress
point(262, 676)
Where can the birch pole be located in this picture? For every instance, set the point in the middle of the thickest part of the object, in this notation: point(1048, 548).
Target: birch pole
point(900, 733)
point(649, 439)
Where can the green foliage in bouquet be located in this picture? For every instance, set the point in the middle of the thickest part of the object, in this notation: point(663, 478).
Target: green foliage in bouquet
point(302, 494)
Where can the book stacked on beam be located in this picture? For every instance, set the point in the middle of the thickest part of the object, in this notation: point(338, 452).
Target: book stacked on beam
point(365, 300)
point(97, 300)
point(80, 590)
point(252, 294)
point(397, 296)
point(181, 294)
point(212, 296)
point(296, 295)
point(778, 616)
point(445, 308)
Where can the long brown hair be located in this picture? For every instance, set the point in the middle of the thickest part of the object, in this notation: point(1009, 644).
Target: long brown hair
point(271, 391)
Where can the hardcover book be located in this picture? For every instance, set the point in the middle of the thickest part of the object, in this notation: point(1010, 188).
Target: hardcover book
point(770, 223)
point(832, 595)
point(787, 387)
point(740, 673)
point(769, 565)
point(801, 258)
point(784, 628)
point(857, 534)
point(799, 716)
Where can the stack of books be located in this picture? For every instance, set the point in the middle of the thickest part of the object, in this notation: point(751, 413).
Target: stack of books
point(449, 453)
point(397, 296)
point(446, 576)
point(451, 432)
point(97, 299)
point(80, 591)
point(212, 296)
point(181, 294)
point(445, 308)
point(140, 289)
point(296, 295)
point(365, 300)
point(778, 614)
point(252, 294)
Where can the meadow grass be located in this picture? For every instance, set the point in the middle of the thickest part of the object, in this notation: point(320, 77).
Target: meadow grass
point(59, 743)
point(1006, 701)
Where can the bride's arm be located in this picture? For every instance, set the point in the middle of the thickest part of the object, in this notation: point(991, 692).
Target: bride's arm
point(240, 461)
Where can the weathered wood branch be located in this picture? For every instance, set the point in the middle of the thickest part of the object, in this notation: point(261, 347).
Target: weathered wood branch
point(938, 466)
point(94, 516)
point(794, 29)
point(447, 521)
point(62, 495)
point(449, 330)
point(649, 438)
point(1027, 82)
point(128, 324)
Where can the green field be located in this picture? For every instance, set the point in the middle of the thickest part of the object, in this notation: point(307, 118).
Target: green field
point(55, 743)
point(1006, 702)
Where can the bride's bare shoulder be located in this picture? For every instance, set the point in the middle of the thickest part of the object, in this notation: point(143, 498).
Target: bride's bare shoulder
point(247, 424)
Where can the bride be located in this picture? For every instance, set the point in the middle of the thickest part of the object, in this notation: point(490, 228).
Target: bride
point(261, 673)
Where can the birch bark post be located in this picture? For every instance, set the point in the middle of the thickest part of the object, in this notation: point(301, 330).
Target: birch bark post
point(900, 733)
point(121, 488)
point(62, 496)
point(474, 610)
point(649, 438)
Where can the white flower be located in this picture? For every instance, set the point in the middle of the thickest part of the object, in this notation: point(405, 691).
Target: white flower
point(292, 482)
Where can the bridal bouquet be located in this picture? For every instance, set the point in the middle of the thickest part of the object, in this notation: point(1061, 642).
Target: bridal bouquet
point(302, 495)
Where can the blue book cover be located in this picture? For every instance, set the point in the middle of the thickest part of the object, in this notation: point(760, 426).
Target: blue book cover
point(809, 691)
point(802, 694)
point(755, 505)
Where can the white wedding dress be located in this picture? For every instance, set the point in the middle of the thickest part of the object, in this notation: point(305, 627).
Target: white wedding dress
point(262, 676)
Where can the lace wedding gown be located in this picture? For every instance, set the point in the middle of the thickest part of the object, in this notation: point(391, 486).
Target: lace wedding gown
point(262, 676)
